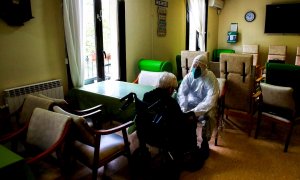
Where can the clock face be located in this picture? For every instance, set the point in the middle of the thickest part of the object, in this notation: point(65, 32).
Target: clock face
point(250, 16)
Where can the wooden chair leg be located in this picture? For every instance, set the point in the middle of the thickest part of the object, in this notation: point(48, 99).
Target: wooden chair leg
point(273, 128)
point(250, 126)
point(216, 138)
point(288, 139)
point(218, 125)
point(257, 125)
point(94, 173)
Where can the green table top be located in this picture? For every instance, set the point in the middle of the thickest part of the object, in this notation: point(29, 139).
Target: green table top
point(7, 157)
point(117, 89)
point(13, 166)
point(109, 94)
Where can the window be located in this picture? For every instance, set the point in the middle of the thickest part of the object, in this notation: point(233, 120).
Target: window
point(196, 24)
point(103, 29)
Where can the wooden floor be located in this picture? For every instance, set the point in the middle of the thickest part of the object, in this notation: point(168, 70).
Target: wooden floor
point(237, 156)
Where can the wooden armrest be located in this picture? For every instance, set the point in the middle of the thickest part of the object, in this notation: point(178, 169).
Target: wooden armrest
point(114, 129)
point(136, 81)
point(14, 135)
point(259, 79)
point(90, 114)
point(257, 94)
point(222, 87)
point(89, 110)
point(223, 91)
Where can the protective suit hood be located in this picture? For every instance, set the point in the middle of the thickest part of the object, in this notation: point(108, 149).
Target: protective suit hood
point(198, 60)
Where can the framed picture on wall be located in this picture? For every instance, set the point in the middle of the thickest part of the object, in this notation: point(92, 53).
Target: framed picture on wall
point(162, 21)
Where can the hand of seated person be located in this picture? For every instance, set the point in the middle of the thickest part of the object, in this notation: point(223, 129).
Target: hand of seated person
point(190, 116)
point(202, 119)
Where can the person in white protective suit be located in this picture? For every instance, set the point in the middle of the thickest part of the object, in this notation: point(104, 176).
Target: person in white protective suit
point(198, 92)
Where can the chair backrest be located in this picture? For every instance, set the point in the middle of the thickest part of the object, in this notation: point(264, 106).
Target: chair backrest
point(151, 71)
point(46, 128)
point(187, 58)
point(154, 65)
point(287, 75)
point(284, 96)
point(277, 53)
point(217, 52)
point(60, 102)
point(297, 60)
point(251, 49)
point(149, 78)
point(237, 69)
point(30, 103)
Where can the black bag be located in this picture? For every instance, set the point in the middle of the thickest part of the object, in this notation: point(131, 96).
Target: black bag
point(161, 167)
point(194, 160)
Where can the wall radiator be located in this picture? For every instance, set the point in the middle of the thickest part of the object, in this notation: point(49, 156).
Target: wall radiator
point(14, 97)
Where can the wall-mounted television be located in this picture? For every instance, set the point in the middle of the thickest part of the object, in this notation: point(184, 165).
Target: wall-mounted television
point(282, 18)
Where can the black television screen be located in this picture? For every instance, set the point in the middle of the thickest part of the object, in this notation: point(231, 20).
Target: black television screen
point(282, 18)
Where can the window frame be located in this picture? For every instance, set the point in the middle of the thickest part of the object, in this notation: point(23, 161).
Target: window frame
point(99, 42)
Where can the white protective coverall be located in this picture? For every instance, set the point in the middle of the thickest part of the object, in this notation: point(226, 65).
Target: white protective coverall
point(200, 95)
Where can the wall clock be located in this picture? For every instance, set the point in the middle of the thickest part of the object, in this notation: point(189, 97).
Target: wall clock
point(250, 16)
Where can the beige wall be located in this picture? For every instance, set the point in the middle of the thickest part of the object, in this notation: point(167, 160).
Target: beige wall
point(253, 32)
point(138, 34)
point(34, 52)
point(141, 37)
point(212, 30)
point(173, 43)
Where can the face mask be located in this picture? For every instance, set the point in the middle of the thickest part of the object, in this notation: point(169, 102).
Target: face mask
point(196, 72)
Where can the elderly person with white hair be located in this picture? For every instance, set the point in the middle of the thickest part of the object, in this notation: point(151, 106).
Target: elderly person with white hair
point(198, 93)
point(180, 126)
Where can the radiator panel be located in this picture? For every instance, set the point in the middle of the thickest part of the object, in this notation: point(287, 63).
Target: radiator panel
point(14, 97)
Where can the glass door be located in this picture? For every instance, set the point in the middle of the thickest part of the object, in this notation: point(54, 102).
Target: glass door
point(100, 24)
point(110, 39)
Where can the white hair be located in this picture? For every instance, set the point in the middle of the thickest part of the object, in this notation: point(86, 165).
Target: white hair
point(167, 80)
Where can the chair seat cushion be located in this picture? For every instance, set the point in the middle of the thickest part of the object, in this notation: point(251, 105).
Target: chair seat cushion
point(110, 146)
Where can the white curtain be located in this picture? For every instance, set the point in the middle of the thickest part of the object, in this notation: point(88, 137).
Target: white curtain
point(74, 36)
point(197, 13)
